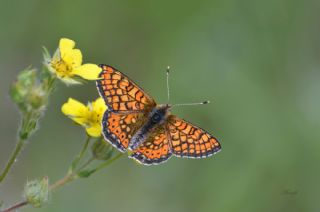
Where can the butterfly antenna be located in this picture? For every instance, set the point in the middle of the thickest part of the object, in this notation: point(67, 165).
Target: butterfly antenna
point(190, 104)
point(168, 91)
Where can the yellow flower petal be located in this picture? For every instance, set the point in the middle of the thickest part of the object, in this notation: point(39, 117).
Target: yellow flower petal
point(88, 71)
point(72, 57)
point(67, 64)
point(65, 45)
point(76, 111)
point(99, 105)
point(77, 58)
point(94, 131)
point(99, 102)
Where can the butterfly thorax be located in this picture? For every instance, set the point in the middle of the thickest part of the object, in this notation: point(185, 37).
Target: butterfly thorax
point(156, 117)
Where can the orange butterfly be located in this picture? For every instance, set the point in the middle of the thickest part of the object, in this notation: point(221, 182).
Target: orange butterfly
point(135, 122)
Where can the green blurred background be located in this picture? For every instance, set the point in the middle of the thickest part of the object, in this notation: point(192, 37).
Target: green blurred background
point(257, 61)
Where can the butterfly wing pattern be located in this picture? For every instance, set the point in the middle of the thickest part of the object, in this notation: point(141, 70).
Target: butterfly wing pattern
point(128, 106)
point(190, 141)
point(121, 94)
point(155, 149)
point(129, 109)
point(118, 128)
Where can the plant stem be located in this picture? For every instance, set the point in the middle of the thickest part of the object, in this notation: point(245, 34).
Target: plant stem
point(108, 162)
point(81, 154)
point(12, 159)
point(16, 206)
point(26, 128)
point(68, 178)
point(85, 146)
point(86, 164)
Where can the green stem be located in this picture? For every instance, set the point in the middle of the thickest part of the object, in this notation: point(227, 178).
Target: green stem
point(108, 162)
point(68, 178)
point(81, 154)
point(12, 159)
point(86, 164)
point(26, 128)
point(85, 146)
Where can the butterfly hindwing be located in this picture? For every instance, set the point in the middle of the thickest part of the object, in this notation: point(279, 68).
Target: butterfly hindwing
point(122, 94)
point(118, 128)
point(190, 141)
point(156, 148)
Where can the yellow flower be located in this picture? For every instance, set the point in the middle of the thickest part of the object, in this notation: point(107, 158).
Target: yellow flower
point(67, 63)
point(89, 116)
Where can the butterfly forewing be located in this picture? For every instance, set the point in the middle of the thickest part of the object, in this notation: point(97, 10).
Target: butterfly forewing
point(120, 93)
point(190, 141)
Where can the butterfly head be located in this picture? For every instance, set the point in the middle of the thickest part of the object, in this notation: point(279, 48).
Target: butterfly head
point(160, 113)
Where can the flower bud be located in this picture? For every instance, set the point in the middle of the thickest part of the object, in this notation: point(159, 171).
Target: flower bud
point(101, 150)
point(36, 192)
point(36, 98)
point(27, 92)
point(21, 88)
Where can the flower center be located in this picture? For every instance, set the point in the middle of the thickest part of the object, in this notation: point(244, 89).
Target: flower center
point(62, 68)
point(94, 118)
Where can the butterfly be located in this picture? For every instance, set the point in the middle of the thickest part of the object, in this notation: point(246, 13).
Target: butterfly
point(135, 122)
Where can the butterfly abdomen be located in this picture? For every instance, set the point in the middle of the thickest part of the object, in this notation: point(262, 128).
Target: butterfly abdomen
point(156, 117)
